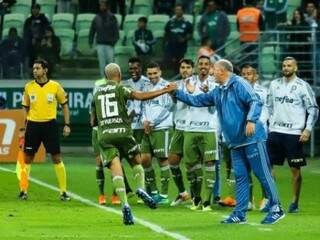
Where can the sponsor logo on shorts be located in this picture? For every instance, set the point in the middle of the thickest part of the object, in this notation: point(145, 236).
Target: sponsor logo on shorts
point(159, 150)
point(114, 130)
point(296, 160)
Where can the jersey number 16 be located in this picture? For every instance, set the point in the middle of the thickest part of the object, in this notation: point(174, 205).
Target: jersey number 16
point(108, 108)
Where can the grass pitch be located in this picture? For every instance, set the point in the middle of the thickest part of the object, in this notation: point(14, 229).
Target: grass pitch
point(43, 216)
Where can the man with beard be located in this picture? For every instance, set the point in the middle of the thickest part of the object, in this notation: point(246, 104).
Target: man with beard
point(199, 147)
point(180, 117)
point(293, 113)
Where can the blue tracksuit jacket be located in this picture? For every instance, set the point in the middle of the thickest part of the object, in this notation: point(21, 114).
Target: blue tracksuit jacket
point(236, 104)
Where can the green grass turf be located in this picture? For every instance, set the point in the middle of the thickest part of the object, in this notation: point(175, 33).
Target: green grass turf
point(44, 216)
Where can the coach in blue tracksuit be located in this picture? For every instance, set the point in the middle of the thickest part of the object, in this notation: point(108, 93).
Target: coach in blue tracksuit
point(239, 109)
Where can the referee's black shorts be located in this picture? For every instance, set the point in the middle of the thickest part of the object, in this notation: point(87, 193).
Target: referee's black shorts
point(45, 132)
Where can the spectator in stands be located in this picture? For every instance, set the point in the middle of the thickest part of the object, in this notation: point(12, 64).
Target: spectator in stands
point(206, 50)
point(300, 47)
point(178, 31)
point(50, 49)
point(105, 28)
point(143, 40)
point(214, 24)
point(88, 6)
point(275, 13)
point(310, 14)
point(12, 54)
point(63, 6)
point(187, 5)
point(118, 6)
point(34, 29)
point(164, 6)
point(250, 19)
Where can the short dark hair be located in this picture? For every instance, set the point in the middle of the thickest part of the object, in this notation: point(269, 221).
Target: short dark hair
point(143, 19)
point(36, 6)
point(134, 60)
point(153, 64)
point(187, 61)
point(203, 56)
point(44, 64)
point(179, 5)
point(13, 29)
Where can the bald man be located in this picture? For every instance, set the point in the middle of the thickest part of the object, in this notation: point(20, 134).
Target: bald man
point(115, 135)
point(239, 109)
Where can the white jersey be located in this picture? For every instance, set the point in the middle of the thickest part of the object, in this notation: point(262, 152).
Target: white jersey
point(136, 105)
point(158, 111)
point(288, 104)
point(180, 112)
point(202, 119)
point(263, 93)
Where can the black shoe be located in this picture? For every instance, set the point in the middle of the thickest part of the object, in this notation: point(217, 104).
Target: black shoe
point(127, 215)
point(149, 201)
point(64, 197)
point(23, 195)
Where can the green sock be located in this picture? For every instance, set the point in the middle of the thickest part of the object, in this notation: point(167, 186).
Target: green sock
point(165, 178)
point(138, 175)
point(191, 176)
point(120, 189)
point(177, 177)
point(150, 178)
point(199, 177)
point(100, 179)
point(209, 179)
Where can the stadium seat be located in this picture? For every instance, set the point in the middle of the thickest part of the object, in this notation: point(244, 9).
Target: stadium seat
point(119, 18)
point(84, 21)
point(83, 47)
point(129, 38)
point(48, 7)
point(66, 37)
point(63, 20)
point(192, 53)
point(233, 42)
point(121, 41)
point(121, 56)
point(189, 18)
point(14, 20)
point(268, 60)
point(143, 7)
point(130, 23)
point(22, 6)
point(158, 46)
point(157, 21)
point(233, 22)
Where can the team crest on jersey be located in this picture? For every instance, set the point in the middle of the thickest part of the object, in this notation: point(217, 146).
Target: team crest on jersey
point(293, 88)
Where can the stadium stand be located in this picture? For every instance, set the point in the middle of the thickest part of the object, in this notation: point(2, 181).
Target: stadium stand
point(63, 20)
point(48, 7)
point(83, 21)
point(22, 6)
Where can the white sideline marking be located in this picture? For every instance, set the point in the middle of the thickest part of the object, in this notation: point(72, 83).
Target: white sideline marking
point(152, 226)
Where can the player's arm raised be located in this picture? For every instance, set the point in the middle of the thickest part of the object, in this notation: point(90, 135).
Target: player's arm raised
point(152, 94)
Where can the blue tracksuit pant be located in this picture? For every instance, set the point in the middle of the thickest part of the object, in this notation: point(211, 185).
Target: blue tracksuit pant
point(255, 157)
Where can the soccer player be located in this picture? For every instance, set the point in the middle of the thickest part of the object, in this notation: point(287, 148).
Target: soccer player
point(199, 146)
point(250, 74)
point(239, 110)
point(293, 113)
point(115, 134)
point(158, 123)
point(180, 116)
point(40, 99)
point(99, 165)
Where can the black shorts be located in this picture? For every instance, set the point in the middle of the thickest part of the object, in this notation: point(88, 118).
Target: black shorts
point(45, 132)
point(283, 146)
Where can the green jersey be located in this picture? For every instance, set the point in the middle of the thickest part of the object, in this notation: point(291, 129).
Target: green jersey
point(109, 105)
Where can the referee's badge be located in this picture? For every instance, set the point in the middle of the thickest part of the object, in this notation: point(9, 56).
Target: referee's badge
point(50, 98)
point(33, 98)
